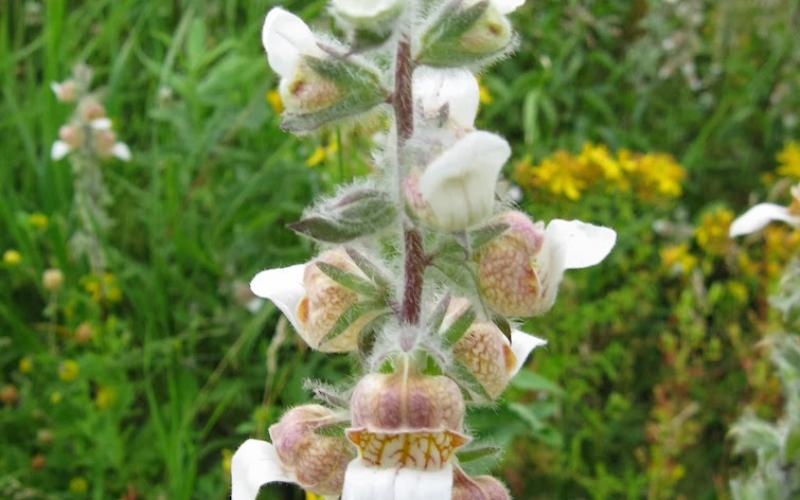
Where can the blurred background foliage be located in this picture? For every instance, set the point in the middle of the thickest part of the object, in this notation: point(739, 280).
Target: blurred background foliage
point(659, 118)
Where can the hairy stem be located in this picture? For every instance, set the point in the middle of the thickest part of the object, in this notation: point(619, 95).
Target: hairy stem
point(415, 258)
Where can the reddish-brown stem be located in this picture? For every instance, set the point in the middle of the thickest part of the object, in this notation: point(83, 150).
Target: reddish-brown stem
point(415, 258)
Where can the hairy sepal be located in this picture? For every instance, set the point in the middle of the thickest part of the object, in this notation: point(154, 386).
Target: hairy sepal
point(350, 316)
point(351, 216)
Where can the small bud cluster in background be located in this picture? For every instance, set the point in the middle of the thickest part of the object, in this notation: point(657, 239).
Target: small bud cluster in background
point(424, 269)
point(88, 140)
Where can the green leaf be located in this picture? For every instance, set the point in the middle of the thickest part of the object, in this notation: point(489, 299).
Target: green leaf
point(348, 280)
point(504, 326)
point(460, 326)
point(529, 381)
point(324, 229)
point(527, 415)
point(484, 235)
point(349, 317)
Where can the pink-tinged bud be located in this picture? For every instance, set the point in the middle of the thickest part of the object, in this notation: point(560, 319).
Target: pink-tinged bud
point(478, 488)
point(508, 268)
point(318, 461)
point(66, 91)
point(72, 135)
point(90, 109)
point(325, 302)
point(407, 419)
point(307, 92)
point(484, 350)
point(103, 142)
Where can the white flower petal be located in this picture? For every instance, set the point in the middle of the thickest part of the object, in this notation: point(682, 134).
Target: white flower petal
point(584, 244)
point(507, 6)
point(522, 345)
point(254, 464)
point(59, 150)
point(456, 89)
point(284, 287)
point(56, 88)
point(362, 482)
point(121, 151)
point(255, 305)
point(364, 9)
point(459, 185)
point(101, 124)
point(759, 216)
point(286, 37)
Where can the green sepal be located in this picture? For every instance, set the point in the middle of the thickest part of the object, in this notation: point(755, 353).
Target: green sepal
point(460, 326)
point(349, 280)
point(349, 317)
point(330, 397)
point(442, 43)
point(503, 325)
point(438, 314)
point(368, 268)
point(356, 214)
point(332, 430)
point(486, 234)
point(360, 87)
point(467, 381)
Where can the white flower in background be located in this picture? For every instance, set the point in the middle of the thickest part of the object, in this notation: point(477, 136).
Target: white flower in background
point(759, 216)
point(519, 271)
point(66, 91)
point(457, 189)
point(374, 15)
point(102, 140)
point(453, 94)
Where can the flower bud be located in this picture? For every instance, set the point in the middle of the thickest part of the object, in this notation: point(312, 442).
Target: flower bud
point(449, 95)
point(519, 271)
point(375, 16)
point(71, 135)
point(90, 109)
point(45, 437)
point(478, 488)
point(325, 302)
point(457, 189)
point(484, 350)
point(467, 32)
point(407, 419)
point(52, 279)
point(318, 461)
point(316, 86)
point(66, 91)
point(507, 267)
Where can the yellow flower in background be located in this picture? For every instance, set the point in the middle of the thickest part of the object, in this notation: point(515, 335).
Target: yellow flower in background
point(660, 174)
point(274, 99)
point(12, 258)
point(38, 220)
point(321, 154)
point(68, 370)
point(485, 95)
point(789, 160)
point(556, 174)
point(26, 365)
point(677, 258)
point(78, 485)
point(55, 398)
point(712, 233)
point(103, 288)
point(104, 397)
point(599, 163)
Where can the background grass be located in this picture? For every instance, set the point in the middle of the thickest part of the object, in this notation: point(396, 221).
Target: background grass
point(204, 203)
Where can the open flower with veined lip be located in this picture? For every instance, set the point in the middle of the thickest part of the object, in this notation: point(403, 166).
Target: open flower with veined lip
point(451, 96)
point(519, 271)
point(298, 454)
point(457, 189)
point(757, 217)
point(314, 302)
point(486, 352)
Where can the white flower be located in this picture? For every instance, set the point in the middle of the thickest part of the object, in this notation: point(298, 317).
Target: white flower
point(502, 6)
point(459, 186)
point(255, 464)
point(365, 482)
point(65, 91)
point(522, 344)
point(286, 39)
point(59, 150)
point(453, 93)
point(762, 214)
point(284, 287)
point(372, 13)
